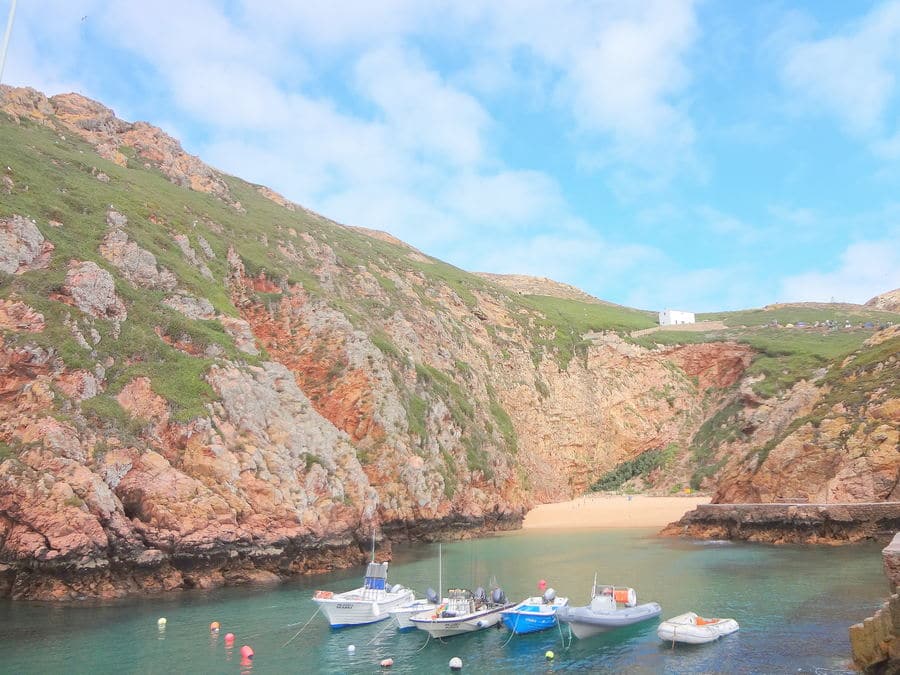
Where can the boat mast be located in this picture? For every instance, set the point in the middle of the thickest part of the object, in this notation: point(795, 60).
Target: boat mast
point(373, 541)
point(440, 574)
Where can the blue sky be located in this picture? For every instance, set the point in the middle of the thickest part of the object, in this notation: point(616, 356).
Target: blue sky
point(693, 155)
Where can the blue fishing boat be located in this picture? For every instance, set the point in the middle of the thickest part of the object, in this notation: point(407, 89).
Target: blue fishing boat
point(533, 614)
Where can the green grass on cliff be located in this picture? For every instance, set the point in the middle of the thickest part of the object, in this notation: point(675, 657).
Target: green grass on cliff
point(786, 356)
point(559, 324)
point(54, 180)
point(805, 312)
point(868, 376)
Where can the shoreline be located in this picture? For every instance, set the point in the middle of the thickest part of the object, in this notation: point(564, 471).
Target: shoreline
point(611, 512)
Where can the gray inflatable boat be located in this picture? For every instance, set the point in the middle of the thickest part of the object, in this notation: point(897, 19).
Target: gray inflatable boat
point(605, 613)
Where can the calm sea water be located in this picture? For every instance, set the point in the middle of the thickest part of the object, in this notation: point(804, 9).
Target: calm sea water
point(794, 605)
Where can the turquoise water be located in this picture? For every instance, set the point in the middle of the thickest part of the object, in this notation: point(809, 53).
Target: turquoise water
point(794, 605)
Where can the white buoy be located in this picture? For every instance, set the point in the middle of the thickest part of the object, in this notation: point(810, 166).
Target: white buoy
point(161, 621)
point(351, 649)
point(456, 663)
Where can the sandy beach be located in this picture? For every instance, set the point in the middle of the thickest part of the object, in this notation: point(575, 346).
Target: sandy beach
point(611, 511)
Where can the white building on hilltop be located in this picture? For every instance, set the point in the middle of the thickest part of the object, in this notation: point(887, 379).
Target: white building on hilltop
point(672, 317)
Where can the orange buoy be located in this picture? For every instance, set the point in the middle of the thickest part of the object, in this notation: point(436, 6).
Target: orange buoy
point(542, 584)
point(246, 652)
point(229, 639)
point(387, 663)
point(214, 627)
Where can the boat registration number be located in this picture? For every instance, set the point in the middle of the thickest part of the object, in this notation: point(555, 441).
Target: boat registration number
point(344, 606)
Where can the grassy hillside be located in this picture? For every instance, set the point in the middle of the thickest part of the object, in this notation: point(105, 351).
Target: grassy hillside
point(55, 180)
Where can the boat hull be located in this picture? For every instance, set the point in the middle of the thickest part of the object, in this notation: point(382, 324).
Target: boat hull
point(586, 623)
point(444, 627)
point(342, 612)
point(403, 614)
point(686, 629)
point(532, 615)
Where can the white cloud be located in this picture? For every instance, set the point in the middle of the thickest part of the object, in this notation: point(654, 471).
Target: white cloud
point(865, 269)
point(342, 108)
point(727, 225)
point(503, 200)
point(571, 254)
point(853, 74)
point(425, 115)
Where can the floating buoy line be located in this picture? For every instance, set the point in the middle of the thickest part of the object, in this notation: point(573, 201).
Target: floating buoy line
point(301, 630)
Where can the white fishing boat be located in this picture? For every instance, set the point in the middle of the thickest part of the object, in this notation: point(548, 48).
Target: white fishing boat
point(463, 612)
point(611, 607)
point(403, 614)
point(692, 629)
point(372, 602)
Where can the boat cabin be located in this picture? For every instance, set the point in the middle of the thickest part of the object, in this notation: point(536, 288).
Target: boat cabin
point(376, 576)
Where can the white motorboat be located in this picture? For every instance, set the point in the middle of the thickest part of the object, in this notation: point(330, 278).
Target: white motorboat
point(605, 613)
point(404, 613)
point(693, 629)
point(372, 602)
point(463, 612)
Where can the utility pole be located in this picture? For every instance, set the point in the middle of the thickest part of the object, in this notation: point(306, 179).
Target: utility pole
point(9, 25)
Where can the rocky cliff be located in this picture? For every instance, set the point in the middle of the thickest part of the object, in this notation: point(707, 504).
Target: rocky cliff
point(889, 301)
point(203, 383)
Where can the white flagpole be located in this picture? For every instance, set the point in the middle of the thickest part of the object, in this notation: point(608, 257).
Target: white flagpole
point(9, 25)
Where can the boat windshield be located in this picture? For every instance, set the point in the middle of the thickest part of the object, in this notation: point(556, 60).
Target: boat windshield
point(376, 576)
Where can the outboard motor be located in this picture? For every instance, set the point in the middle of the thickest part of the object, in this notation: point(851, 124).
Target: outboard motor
point(480, 595)
point(432, 596)
point(498, 596)
point(549, 596)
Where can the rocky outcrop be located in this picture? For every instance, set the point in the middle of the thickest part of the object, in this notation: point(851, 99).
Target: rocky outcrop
point(790, 523)
point(875, 642)
point(136, 264)
point(22, 246)
point(191, 306)
point(889, 301)
point(830, 439)
point(241, 333)
point(98, 125)
point(17, 316)
point(92, 290)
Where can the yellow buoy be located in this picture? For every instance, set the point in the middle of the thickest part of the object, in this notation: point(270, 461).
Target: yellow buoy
point(549, 655)
point(214, 627)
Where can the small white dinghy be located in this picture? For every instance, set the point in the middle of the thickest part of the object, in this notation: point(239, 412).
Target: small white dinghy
point(693, 629)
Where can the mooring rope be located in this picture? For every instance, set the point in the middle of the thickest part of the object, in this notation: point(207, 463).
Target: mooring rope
point(386, 626)
point(562, 637)
point(301, 630)
point(513, 631)
point(423, 646)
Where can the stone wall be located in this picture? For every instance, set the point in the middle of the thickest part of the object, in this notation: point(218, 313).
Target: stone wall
point(876, 641)
point(790, 523)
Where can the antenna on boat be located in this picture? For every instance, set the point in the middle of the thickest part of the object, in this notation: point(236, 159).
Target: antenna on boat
point(594, 587)
point(440, 573)
point(373, 541)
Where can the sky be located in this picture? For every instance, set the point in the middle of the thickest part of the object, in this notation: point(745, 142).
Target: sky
point(676, 154)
